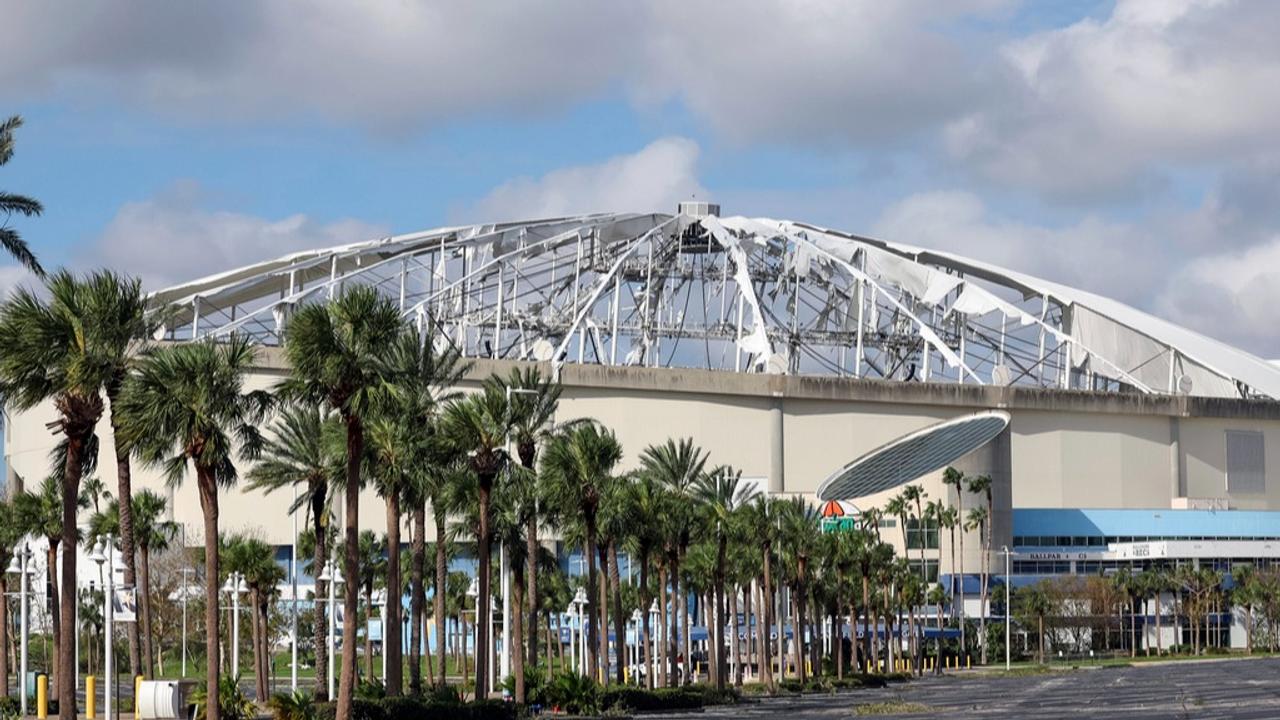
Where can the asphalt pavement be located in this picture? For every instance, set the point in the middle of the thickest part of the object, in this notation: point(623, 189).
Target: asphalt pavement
point(1241, 689)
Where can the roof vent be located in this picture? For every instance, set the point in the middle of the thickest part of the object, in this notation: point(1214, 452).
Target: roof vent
point(698, 209)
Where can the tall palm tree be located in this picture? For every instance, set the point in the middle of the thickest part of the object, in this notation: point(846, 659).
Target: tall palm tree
point(255, 560)
point(424, 375)
point(981, 486)
point(915, 495)
point(40, 514)
point(957, 479)
point(978, 520)
point(677, 464)
point(393, 440)
point(534, 400)
point(577, 465)
point(721, 495)
point(763, 524)
point(153, 534)
point(644, 503)
point(800, 529)
point(478, 425)
point(305, 450)
point(187, 405)
point(12, 203)
point(336, 353)
point(59, 349)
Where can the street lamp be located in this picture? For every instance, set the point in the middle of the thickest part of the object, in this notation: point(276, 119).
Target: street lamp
point(21, 564)
point(580, 602)
point(1008, 609)
point(332, 574)
point(504, 570)
point(636, 618)
point(653, 644)
point(235, 585)
point(104, 552)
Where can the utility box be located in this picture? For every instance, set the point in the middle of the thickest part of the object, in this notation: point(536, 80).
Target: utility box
point(165, 699)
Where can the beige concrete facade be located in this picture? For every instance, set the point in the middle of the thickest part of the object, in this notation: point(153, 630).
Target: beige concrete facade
point(1066, 449)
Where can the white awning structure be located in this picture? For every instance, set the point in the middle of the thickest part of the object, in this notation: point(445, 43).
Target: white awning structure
point(693, 289)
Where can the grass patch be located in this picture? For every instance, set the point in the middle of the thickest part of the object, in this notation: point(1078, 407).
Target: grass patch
point(892, 707)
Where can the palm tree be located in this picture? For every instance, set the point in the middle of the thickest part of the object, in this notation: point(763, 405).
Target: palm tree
point(721, 495)
point(1244, 593)
point(644, 503)
point(478, 425)
point(187, 405)
point(1035, 602)
point(577, 464)
point(59, 349)
point(678, 465)
point(336, 356)
point(41, 514)
point(914, 494)
point(981, 486)
point(979, 520)
point(153, 534)
point(393, 440)
point(11, 204)
point(799, 536)
point(955, 478)
point(373, 571)
point(423, 378)
point(762, 522)
point(255, 560)
point(533, 401)
point(305, 451)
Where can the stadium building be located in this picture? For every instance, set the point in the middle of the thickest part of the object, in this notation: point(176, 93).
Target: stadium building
point(820, 363)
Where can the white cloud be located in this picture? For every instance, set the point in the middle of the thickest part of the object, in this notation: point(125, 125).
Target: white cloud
point(1231, 295)
point(173, 238)
point(1102, 106)
point(652, 179)
point(796, 70)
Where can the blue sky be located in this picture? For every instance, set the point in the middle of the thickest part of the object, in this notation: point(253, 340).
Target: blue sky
point(1125, 147)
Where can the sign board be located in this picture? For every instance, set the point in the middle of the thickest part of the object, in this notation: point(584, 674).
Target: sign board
point(124, 605)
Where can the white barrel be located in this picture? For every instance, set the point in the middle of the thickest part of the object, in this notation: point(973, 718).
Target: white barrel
point(159, 700)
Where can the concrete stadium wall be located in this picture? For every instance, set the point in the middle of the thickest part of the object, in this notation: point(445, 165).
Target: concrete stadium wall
point(1065, 448)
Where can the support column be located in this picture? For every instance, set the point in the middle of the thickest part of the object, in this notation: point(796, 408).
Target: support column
point(777, 448)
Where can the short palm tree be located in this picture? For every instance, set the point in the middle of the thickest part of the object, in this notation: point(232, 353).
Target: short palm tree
point(153, 534)
point(336, 353)
point(60, 349)
point(40, 514)
point(306, 451)
point(678, 465)
point(187, 406)
point(721, 495)
point(477, 425)
point(577, 465)
point(645, 502)
point(14, 204)
point(957, 479)
point(11, 533)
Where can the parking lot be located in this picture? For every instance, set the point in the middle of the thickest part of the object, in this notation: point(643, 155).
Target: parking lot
point(1236, 689)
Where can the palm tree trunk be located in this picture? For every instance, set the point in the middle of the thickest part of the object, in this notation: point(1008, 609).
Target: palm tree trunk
point(960, 585)
point(766, 604)
point(124, 497)
point(646, 598)
point(482, 602)
point(593, 629)
point(619, 620)
point(320, 624)
point(209, 506)
point(417, 595)
point(55, 601)
point(602, 613)
point(462, 622)
point(442, 577)
point(735, 650)
point(797, 633)
point(517, 632)
point(144, 604)
point(664, 647)
point(392, 644)
point(351, 565)
point(368, 639)
point(531, 584)
point(680, 639)
point(255, 637)
point(718, 636)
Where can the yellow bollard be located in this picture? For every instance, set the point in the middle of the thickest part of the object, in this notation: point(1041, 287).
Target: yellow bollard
point(137, 692)
point(42, 696)
point(90, 696)
point(968, 661)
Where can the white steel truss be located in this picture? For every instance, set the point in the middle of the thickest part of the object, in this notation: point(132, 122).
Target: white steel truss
point(739, 294)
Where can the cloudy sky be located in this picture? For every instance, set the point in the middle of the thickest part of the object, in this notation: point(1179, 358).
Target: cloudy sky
point(1127, 147)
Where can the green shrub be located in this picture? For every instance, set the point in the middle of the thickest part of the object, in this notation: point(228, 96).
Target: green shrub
point(232, 702)
point(574, 694)
point(370, 690)
point(10, 708)
point(443, 694)
point(360, 710)
point(297, 705)
point(409, 708)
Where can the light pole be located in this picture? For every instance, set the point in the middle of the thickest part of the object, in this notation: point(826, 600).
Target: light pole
point(637, 617)
point(580, 602)
point(504, 570)
point(1007, 607)
point(104, 552)
point(235, 585)
point(652, 671)
point(20, 564)
point(332, 574)
point(185, 591)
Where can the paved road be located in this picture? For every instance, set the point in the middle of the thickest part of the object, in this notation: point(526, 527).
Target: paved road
point(1235, 689)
